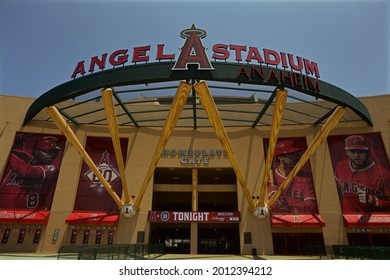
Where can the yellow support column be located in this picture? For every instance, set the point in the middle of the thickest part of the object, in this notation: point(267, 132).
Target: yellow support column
point(194, 225)
point(194, 189)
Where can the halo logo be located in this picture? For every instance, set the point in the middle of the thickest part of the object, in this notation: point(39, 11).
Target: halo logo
point(107, 170)
point(193, 52)
point(165, 216)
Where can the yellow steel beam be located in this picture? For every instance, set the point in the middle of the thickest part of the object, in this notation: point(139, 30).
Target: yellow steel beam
point(211, 110)
point(177, 106)
point(194, 189)
point(317, 141)
point(281, 96)
point(113, 127)
point(69, 134)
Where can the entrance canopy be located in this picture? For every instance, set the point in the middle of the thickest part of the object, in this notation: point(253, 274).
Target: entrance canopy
point(87, 218)
point(288, 220)
point(231, 94)
point(244, 95)
point(367, 219)
point(24, 216)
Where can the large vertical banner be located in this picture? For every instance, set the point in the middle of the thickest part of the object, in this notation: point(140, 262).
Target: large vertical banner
point(31, 174)
point(361, 170)
point(299, 197)
point(91, 194)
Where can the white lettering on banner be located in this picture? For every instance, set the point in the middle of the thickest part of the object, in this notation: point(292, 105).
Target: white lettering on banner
point(191, 216)
point(374, 219)
point(177, 216)
point(12, 215)
point(361, 230)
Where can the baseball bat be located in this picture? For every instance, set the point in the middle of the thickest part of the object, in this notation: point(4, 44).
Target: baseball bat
point(281, 96)
point(211, 110)
point(69, 134)
point(317, 141)
point(113, 127)
point(174, 113)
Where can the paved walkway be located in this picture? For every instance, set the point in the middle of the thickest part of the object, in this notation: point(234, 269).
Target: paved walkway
point(34, 256)
point(236, 257)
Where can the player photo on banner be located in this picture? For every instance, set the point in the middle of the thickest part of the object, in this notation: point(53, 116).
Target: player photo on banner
point(91, 194)
point(361, 171)
point(31, 174)
point(299, 196)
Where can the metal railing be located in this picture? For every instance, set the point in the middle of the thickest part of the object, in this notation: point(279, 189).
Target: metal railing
point(360, 252)
point(314, 251)
point(69, 252)
point(111, 252)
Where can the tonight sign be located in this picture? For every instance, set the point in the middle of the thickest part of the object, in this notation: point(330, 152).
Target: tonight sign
point(193, 52)
point(194, 216)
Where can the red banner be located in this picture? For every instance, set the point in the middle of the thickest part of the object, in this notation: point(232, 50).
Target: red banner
point(362, 172)
point(22, 216)
point(186, 217)
point(91, 194)
point(367, 219)
point(297, 221)
point(87, 218)
point(31, 174)
point(299, 197)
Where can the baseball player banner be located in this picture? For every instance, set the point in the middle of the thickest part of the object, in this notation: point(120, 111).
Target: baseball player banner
point(91, 194)
point(31, 174)
point(299, 197)
point(361, 171)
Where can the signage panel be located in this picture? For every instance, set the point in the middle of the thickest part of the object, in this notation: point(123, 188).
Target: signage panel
point(237, 63)
point(24, 216)
point(91, 194)
point(288, 220)
point(185, 217)
point(367, 219)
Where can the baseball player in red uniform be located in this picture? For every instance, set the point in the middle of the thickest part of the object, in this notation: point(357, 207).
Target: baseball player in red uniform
point(299, 196)
point(363, 185)
point(29, 178)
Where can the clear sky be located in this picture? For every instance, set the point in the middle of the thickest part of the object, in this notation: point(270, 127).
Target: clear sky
point(42, 41)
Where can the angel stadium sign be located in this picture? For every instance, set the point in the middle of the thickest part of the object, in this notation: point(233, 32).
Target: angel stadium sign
point(295, 69)
point(220, 62)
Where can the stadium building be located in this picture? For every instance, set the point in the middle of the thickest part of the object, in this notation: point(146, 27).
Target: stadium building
point(197, 153)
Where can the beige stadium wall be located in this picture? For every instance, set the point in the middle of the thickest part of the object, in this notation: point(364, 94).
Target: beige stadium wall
point(247, 144)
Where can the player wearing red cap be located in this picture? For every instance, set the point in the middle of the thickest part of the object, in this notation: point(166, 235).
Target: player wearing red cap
point(28, 177)
point(299, 196)
point(363, 185)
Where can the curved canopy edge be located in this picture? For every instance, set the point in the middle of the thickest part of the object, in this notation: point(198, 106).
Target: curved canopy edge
point(224, 72)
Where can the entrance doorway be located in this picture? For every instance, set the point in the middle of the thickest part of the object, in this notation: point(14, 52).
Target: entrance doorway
point(204, 190)
point(218, 239)
point(298, 243)
point(175, 237)
point(369, 239)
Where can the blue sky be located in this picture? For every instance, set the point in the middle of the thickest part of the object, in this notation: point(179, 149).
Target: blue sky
point(42, 41)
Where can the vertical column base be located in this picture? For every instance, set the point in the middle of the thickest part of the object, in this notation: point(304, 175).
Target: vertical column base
point(194, 239)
